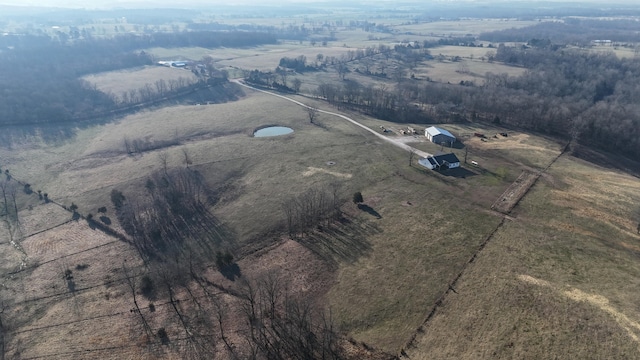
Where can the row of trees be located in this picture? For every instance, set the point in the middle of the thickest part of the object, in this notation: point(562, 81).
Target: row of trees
point(312, 208)
point(257, 319)
point(172, 218)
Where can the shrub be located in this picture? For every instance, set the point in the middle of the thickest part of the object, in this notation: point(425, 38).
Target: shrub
point(357, 197)
point(117, 198)
point(164, 337)
point(223, 259)
point(147, 287)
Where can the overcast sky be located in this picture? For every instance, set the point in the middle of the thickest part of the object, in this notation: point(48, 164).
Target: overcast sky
point(92, 4)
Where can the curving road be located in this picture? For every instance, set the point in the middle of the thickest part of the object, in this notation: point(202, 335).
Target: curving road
point(399, 144)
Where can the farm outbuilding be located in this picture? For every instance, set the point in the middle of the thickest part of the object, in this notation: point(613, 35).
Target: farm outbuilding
point(439, 136)
point(444, 161)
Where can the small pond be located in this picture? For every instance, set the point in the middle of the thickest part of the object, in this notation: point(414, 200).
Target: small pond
point(273, 131)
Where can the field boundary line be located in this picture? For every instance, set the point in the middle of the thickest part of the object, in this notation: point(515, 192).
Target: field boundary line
point(51, 228)
point(450, 288)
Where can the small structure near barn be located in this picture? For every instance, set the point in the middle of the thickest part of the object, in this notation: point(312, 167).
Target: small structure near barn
point(439, 136)
point(440, 162)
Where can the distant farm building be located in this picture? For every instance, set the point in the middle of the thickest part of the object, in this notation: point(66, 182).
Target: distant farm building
point(178, 64)
point(439, 136)
point(440, 162)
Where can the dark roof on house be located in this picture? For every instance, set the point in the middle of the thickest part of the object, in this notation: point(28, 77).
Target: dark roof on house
point(449, 158)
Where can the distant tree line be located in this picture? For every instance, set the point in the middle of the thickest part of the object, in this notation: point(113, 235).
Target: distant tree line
point(592, 98)
point(522, 11)
point(570, 31)
point(40, 76)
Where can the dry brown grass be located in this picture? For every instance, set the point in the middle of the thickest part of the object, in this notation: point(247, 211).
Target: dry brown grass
point(565, 282)
point(464, 27)
point(117, 82)
point(380, 276)
point(454, 72)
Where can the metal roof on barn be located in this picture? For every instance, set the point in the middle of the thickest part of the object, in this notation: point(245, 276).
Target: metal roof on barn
point(433, 131)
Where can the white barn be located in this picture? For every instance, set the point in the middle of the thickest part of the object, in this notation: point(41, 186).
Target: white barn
point(439, 136)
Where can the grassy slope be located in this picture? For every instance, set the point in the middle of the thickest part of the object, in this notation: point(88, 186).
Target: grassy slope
point(414, 252)
point(566, 282)
point(384, 297)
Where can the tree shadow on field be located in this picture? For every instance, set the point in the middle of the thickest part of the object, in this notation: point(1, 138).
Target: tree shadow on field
point(369, 210)
point(231, 271)
point(343, 241)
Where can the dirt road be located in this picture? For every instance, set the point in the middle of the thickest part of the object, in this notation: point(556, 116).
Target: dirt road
point(399, 144)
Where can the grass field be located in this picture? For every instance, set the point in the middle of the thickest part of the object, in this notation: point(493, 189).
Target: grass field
point(621, 52)
point(463, 27)
point(117, 82)
point(264, 173)
point(557, 277)
point(419, 232)
point(565, 284)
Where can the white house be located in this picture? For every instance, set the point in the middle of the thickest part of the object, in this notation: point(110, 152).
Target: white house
point(440, 162)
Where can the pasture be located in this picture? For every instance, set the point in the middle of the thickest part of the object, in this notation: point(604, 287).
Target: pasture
point(258, 174)
point(118, 82)
point(568, 266)
point(557, 275)
point(462, 27)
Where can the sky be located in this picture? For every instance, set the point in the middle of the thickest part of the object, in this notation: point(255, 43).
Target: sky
point(105, 4)
point(110, 4)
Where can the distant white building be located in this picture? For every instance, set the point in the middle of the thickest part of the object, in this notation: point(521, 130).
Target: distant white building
point(439, 136)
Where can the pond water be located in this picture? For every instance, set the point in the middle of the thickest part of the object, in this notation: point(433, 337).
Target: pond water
point(273, 131)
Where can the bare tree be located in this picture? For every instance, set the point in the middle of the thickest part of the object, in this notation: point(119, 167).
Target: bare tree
point(127, 145)
point(342, 70)
point(312, 113)
point(130, 278)
point(297, 83)
point(283, 75)
point(281, 326)
point(164, 160)
point(187, 158)
point(4, 188)
point(463, 68)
